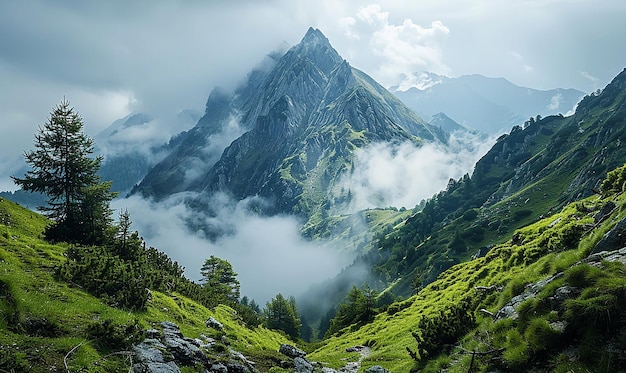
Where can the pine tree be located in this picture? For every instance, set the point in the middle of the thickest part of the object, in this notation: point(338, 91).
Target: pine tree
point(281, 315)
point(78, 202)
point(220, 280)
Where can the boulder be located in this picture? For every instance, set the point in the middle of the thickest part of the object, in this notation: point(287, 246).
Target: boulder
point(376, 369)
point(150, 359)
point(214, 324)
point(302, 365)
point(218, 368)
point(614, 239)
point(291, 351)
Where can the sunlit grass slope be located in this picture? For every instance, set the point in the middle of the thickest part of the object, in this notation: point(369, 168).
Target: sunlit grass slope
point(46, 324)
point(537, 251)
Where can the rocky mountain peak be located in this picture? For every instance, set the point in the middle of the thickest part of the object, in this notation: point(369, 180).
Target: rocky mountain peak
point(315, 47)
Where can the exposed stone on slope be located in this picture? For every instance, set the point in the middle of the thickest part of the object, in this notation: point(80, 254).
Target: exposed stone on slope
point(291, 351)
point(164, 352)
point(613, 239)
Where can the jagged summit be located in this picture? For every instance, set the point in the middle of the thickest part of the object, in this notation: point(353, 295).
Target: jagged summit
point(314, 36)
point(304, 119)
point(316, 48)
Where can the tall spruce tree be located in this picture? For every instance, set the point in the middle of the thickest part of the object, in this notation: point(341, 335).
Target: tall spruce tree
point(220, 280)
point(281, 314)
point(63, 169)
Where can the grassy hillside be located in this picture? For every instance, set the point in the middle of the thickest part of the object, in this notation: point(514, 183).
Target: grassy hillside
point(48, 325)
point(451, 317)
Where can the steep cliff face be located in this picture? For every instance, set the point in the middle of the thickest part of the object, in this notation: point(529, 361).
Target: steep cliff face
point(303, 119)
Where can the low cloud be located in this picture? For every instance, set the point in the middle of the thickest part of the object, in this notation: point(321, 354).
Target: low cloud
point(401, 175)
point(213, 149)
point(268, 253)
point(555, 102)
point(402, 48)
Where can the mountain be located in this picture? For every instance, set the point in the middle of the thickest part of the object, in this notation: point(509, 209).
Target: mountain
point(133, 145)
point(528, 173)
point(518, 267)
point(441, 120)
point(490, 105)
point(303, 118)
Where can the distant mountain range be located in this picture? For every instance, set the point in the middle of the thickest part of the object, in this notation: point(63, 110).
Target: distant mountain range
point(490, 105)
point(134, 144)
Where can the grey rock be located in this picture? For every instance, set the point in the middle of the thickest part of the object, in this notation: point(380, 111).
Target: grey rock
point(218, 368)
point(291, 351)
point(302, 365)
point(355, 349)
point(236, 355)
point(611, 256)
point(506, 312)
point(170, 326)
point(559, 326)
point(376, 369)
point(150, 350)
point(237, 368)
point(509, 309)
point(328, 370)
point(613, 239)
point(183, 350)
point(170, 367)
point(153, 333)
point(150, 359)
point(214, 324)
point(604, 212)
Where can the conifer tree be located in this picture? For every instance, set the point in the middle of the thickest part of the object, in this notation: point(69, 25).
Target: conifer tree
point(220, 280)
point(281, 315)
point(62, 169)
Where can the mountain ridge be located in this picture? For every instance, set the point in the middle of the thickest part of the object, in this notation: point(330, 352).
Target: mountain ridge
point(490, 105)
point(310, 107)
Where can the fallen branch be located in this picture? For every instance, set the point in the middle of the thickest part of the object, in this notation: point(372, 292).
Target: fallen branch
point(486, 311)
point(478, 353)
point(488, 288)
point(68, 355)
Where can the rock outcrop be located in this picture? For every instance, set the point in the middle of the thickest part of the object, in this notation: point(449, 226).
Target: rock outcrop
point(165, 350)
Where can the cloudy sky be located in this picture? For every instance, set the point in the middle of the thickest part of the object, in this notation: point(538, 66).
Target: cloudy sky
point(111, 58)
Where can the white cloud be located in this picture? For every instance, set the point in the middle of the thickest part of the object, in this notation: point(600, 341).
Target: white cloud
point(590, 77)
point(403, 48)
point(555, 102)
point(401, 175)
point(268, 253)
point(347, 25)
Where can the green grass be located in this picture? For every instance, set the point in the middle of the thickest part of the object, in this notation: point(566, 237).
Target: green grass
point(512, 266)
point(42, 319)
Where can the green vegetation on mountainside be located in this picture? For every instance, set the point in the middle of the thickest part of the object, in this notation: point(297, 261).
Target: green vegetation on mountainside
point(584, 330)
point(47, 324)
point(529, 173)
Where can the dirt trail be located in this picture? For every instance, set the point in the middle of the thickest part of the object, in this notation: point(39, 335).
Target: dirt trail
point(353, 366)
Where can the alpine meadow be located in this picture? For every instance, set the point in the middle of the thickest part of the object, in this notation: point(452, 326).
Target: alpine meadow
point(312, 219)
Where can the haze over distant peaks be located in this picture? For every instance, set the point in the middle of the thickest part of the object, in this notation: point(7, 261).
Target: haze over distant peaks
point(490, 105)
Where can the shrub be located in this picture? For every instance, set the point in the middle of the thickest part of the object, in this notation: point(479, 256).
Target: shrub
point(614, 182)
point(540, 335)
point(470, 215)
point(516, 354)
point(109, 335)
